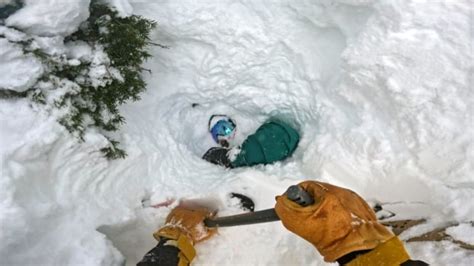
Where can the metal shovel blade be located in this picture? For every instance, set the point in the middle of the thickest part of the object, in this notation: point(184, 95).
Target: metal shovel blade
point(264, 216)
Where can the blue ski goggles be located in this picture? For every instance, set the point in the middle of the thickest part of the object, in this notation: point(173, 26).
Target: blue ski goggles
point(223, 128)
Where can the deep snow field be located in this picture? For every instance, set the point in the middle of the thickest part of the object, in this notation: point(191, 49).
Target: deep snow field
point(381, 91)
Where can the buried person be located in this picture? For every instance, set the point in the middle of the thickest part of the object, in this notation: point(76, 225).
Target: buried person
point(273, 141)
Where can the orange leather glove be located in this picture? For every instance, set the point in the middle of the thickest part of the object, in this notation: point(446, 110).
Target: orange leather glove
point(185, 225)
point(188, 221)
point(338, 223)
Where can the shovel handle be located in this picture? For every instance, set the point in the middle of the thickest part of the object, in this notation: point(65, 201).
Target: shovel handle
point(294, 193)
point(264, 216)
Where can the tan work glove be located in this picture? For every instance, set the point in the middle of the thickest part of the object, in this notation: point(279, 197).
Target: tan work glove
point(338, 223)
point(185, 225)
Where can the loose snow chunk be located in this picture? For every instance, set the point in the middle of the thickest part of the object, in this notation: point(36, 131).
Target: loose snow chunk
point(50, 17)
point(100, 72)
point(50, 45)
point(123, 7)
point(19, 71)
point(73, 62)
point(12, 34)
point(58, 89)
point(98, 75)
point(79, 50)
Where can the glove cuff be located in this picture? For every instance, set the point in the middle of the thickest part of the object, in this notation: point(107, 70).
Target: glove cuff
point(366, 237)
point(391, 252)
point(182, 241)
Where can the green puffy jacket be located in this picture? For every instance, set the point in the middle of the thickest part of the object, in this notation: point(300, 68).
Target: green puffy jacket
point(273, 141)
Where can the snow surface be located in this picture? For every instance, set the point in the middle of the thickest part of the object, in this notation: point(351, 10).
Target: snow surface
point(463, 232)
point(443, 253)
point(381, 91)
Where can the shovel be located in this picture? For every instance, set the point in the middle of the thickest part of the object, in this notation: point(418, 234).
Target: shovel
point(293, 193)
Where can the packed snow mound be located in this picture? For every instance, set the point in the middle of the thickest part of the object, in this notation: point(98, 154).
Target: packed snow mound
point(380, 91)
point(19, 71)
point(50, 17)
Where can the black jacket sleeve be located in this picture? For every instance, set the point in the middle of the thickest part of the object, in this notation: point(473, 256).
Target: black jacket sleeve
point(161, 255)
point(349, 257)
